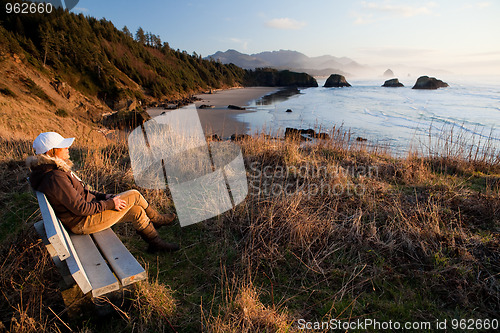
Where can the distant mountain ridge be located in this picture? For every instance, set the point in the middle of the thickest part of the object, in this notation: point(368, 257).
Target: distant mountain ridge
point(291, 60)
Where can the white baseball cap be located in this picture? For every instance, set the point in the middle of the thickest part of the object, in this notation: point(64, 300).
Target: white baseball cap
point(48, 140)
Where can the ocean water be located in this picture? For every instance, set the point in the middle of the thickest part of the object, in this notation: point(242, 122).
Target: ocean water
point(401, 118)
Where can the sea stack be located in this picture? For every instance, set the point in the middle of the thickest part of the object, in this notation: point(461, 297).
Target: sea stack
point(336, 80)
point(392, 83)
point(388, 73)
point(425, 82)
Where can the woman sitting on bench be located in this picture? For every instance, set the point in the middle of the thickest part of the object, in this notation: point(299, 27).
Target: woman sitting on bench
point(83, 211)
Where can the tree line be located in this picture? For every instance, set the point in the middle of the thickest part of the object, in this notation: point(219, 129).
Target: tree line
point(97, 58)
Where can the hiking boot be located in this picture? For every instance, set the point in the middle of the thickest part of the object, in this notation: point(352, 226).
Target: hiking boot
point(156, 244)
point(158, 219)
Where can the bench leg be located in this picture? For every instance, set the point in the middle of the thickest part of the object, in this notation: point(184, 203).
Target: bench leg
point(76, 302)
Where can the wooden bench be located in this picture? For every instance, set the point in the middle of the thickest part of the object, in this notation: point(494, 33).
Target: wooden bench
point(98, 263)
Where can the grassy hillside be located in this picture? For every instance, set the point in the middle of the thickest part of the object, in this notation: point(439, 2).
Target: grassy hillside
point(96, 58)
point(332, 230)
point(62, 72)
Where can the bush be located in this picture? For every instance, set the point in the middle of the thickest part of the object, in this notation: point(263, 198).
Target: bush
point(62, 113)
point(7, 92)
point(36, 90)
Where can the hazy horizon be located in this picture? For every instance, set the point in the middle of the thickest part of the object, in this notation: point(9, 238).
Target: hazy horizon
point(455, 36)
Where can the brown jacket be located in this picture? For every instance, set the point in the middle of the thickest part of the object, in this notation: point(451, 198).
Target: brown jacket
point(69, 198)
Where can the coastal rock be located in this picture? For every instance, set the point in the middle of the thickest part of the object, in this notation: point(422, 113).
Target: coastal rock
point(235, 107)
point(323, 136)
point(269, 77)
point(392, 83)
point(61, 88)
point(206, 106)
point(295, 134)
point(336, 80)
point(279, 96)
point(425, 82)
point(388, 73)
point(178, 103)
point(304, 134)
point(126, 119)
point(125, 104)
point(239, 137)
point(170, 106)
point(213, 137)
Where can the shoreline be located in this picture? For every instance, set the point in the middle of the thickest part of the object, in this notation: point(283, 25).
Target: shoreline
point(220, 120)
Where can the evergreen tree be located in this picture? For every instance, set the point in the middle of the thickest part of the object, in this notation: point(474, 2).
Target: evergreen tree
point(47, 37)
point(157, 42)
point(140, 36)
point(127, 32)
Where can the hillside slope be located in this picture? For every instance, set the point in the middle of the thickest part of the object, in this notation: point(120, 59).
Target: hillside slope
point(32, 101)
point(82, 68)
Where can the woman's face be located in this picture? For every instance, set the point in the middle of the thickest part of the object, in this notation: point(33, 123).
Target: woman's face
point(62, 153)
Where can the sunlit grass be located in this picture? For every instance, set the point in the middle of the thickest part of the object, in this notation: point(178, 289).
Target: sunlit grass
point(329, 229)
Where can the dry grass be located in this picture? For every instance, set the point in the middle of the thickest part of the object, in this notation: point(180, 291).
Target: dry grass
point(155, 307)
point(333, 229)
point(242, 311)
point(28, 281)
point(411, 212)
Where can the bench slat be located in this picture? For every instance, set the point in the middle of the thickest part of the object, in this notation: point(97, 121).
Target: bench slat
point(52, 227)
point(63, 268)
point(75, 266)
point(125, 266)
point(101, 279)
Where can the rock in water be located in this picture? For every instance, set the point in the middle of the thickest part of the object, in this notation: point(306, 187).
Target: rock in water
point(240, 137)
point(393, 83)
point(425, 82)
point(304, 134)
point(336, 80)
point(388, 73)
point(235, 107)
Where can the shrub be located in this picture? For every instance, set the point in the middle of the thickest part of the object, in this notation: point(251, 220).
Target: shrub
point(62, 113)
point(7, 92)
point(36, 90)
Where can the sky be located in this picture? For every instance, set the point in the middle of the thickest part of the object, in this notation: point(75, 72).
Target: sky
point(460, 36)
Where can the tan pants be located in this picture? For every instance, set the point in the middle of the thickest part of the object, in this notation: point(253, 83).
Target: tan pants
point(134, 212)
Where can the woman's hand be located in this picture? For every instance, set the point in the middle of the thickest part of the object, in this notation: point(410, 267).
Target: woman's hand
point(119, 203)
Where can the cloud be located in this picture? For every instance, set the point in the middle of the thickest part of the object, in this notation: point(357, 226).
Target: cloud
point(376, 11)
point(476, 5)
point(364, 18)
point(400, 10)
point(243, 43)
point(285, 24)
point(484, 4)
point(396, 52)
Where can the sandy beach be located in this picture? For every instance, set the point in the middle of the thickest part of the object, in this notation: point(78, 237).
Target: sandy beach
point(221, 120)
